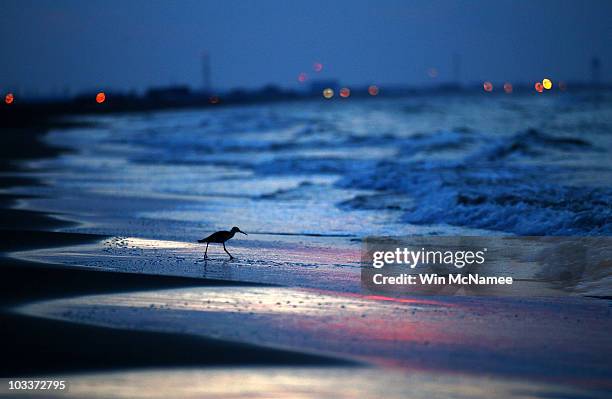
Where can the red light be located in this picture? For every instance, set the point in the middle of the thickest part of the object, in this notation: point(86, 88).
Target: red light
point(508, 87)
point(302, 77)
point(373, 90)
point(345, 92)
point(562, 86)
point(100, 97)
point(9, 98)
point(317, 66)
point(433, 73)
point(539, 87)
point(488, 86)
point(214, 100)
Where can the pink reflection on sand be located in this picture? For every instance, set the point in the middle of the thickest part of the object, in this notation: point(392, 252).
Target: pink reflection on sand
point(470, 335)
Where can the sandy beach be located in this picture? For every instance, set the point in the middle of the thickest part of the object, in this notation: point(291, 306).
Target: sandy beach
point(40, 346)
point(101, 274)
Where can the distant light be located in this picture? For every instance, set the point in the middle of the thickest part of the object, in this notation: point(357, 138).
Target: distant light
point(433, 73)
point(345, 92)
point(328, 93)
point(9, 98)
point(539, 87)
point(317, 66)
point(302, 77)
point(213, 100)
point(547, 83)
point(100, 97)
point(562, 86)
point(508, 87)
point(373, 90)
point(488, 86)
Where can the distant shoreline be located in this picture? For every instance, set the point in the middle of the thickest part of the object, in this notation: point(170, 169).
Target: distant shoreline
point(28, 112)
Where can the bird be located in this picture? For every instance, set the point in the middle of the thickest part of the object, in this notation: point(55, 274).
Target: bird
point(219, 238)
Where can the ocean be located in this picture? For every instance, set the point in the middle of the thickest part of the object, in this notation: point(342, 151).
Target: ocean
point(456, 164)
point(310, 182)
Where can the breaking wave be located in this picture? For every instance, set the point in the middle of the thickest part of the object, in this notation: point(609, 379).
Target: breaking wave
point(488, 189)
point(436, 161)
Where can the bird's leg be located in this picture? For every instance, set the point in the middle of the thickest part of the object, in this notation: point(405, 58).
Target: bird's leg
point(206, 252)
point(225, 249)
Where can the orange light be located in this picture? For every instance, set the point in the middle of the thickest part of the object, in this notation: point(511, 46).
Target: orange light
point(539, 87)
point(373, 90)
point(328, 93)
point(213, 100)
point(9, 98)
point(508, 87)
point(317, 66)
point(433, 73)
point(100, 97)
point(302, 77)
point(345, 92)
point(488, 86)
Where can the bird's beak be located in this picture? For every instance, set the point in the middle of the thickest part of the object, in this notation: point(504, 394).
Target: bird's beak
point(243, 232)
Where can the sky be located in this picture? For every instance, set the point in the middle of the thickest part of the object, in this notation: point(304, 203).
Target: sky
point(53, 47)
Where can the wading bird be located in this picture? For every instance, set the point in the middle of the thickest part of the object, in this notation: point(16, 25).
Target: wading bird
point(219, 238)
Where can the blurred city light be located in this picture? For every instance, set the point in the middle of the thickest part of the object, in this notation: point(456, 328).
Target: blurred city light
point(317, 66)
point(302, 77)
point(9, 98)
point(488, 86)
point(547, 83)
point(214, 100)
point(328, 93)
point(508, 87)
point(100, 97)
point(562, 86)
point(433, 73)
point(345, 92)
point(539, 87)
point(373, 90)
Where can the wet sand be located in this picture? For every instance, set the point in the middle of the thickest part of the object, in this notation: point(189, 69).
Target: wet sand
point(33, 346)
point(69, 314)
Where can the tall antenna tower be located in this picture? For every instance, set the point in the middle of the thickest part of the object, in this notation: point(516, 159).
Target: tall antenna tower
point(457, 69)
point(206, 79)
point(595, 71)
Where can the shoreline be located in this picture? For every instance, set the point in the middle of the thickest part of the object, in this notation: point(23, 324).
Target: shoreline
point(38, 346)
point(292, 327)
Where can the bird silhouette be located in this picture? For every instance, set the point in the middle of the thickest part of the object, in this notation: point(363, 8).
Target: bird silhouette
point(219, 238)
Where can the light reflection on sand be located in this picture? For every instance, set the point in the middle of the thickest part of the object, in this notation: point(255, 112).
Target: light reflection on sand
point(301, 383)
point(143, 243)
point(476, 337)
point(289, 260)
